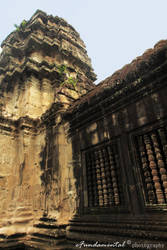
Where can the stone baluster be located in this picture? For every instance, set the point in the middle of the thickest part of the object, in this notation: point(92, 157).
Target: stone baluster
point(89, 179)
point(161, 164)
point(154, 171)
point(104, 177)
point(99, 182)
point(100, 185)
point(146, 172)
point(103, 174)
point(114, 177)
point(109, 184)
point(94, 180)
point(109, 179)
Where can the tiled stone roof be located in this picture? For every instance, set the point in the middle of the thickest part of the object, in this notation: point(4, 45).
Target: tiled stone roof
point(128, 76)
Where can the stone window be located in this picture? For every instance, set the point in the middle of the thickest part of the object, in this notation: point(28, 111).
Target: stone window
point(102, 171)
point(152, 156)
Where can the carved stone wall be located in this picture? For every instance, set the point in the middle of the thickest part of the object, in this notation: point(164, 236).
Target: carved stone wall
point(122, 129)
point(21, 189)
point(38, 65)
point(84, 162)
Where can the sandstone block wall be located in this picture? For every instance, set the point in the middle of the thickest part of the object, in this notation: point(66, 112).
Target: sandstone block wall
point(79, 161)
point(38, 186)
point(119, 132)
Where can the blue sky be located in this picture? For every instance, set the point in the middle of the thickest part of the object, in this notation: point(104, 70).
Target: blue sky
point(114, 31)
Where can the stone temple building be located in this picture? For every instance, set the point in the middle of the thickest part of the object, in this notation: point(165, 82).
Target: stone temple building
point(80, 163)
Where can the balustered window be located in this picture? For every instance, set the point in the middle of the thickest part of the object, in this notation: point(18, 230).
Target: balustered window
point(102, 171)
point(152, 156)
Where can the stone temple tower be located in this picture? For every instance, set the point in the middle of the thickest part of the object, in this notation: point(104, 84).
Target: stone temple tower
point(44, 68)
point(30, 67)
point(81, 165)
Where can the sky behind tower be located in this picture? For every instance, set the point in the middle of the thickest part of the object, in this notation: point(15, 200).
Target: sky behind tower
point(114, 31)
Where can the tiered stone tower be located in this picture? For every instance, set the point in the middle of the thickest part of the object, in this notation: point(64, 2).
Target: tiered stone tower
point(43, 67)
point(30, 76)
point(80, 165)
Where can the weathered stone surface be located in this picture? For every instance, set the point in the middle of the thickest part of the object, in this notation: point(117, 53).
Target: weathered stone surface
point(38, 190)
point(79, 162)
point(29, 63)
point(119, 131)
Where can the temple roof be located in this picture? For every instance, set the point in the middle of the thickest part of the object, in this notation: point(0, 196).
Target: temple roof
point(42, 63)
point(125, 77)
point(46, 34)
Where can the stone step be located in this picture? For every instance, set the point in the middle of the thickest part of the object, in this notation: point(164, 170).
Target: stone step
point(25, 206)
point(46, 219)
point(12, 241)
point(46, 226)
point(36, 245)
point(24, 214)
point(46, 233)
point(22, 220)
